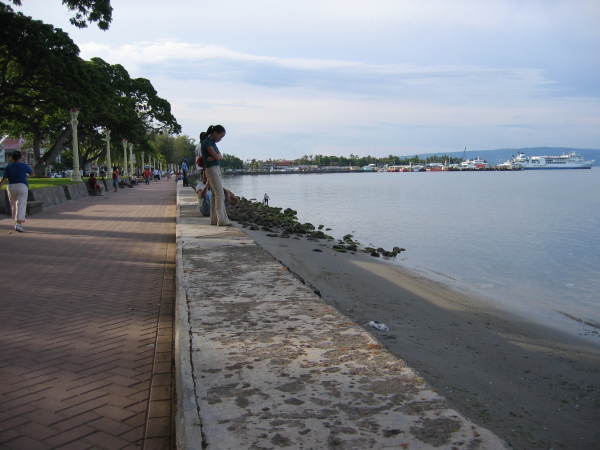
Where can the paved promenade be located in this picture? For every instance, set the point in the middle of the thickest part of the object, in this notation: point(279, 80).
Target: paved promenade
point(86, 305)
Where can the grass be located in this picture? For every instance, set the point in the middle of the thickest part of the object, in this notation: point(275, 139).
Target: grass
point(37, 183)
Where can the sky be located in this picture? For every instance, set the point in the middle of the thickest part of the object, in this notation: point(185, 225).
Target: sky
point(289, 78)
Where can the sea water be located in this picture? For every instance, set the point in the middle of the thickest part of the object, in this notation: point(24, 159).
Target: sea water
point(526, 239)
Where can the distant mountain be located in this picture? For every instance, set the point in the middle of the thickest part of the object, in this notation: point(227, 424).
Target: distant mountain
point(500, 155)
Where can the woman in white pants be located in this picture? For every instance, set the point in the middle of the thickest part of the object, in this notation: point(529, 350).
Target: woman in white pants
point(16, 173)
point(212, 157)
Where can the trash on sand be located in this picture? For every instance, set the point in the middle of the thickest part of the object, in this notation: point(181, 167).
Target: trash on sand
point(379, 326)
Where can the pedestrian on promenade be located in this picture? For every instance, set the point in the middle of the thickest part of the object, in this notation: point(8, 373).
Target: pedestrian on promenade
point(266, 199)
point(93, 184)
point(18, 188)
point(212, 157)
point(147, 175)
point(184, 170)
point(115, 178)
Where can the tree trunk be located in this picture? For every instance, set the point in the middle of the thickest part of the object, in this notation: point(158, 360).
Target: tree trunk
point(50, 156)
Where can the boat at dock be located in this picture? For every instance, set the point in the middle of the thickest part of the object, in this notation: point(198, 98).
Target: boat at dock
point(473, 164)
point(565, 161)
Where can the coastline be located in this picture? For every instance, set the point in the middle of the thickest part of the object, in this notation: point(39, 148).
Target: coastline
point(534, 386)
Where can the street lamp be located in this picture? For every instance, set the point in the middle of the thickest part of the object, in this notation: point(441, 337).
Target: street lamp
point(130, 158)
point(75, 175)
point(124, 157)
point(108, 163)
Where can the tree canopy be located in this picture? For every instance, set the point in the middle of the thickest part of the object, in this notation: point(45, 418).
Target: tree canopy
point(42, 78)
point(86, 11)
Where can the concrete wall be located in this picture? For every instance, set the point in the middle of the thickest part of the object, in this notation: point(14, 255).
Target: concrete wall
point(51, 196)
point(76, 191)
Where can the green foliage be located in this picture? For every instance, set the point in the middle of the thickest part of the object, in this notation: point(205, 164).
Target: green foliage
point(231, 162)
point(86, 11)
point(356, 161)
point(42, 78)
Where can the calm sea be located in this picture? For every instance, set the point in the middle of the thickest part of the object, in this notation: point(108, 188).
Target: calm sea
point(527, 239)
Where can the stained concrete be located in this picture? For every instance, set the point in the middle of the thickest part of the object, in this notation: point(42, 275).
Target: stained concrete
point(264, 363)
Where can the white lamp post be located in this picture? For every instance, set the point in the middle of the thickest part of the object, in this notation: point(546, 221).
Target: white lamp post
point(124, 156)
point(75, 175)
point(130, 158)
point(108, 163)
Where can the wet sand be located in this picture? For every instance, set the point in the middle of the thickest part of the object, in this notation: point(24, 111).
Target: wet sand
point(534, 386)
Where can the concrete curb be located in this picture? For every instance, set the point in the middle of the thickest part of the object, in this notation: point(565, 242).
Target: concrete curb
point(187, 420)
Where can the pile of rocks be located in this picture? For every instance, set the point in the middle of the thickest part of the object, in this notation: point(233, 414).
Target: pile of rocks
point(283, 223)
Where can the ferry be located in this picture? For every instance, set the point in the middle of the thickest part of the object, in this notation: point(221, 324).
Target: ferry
point(474, 164)
point(565, 161)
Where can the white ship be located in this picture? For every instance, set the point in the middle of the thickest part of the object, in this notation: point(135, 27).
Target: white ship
point(473, 164)
point(570, 161)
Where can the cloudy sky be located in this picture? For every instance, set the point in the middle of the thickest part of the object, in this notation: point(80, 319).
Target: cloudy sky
point(289, 78)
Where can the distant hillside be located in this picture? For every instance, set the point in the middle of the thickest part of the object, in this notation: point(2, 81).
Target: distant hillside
point(500, 155)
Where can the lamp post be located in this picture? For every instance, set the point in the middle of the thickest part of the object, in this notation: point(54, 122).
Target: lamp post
point(124, 157)
point(75, 175)
point(130, 158)
point(108, 163)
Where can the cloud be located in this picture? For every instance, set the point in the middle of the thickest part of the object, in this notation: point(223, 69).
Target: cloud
point(291, 78)
point(280, 99)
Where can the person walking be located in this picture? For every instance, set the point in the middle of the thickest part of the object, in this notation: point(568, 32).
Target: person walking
point(18, 188)
point(212, 157)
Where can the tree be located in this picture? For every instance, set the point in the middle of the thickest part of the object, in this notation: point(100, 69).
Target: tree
point(231, 162)
point(36, 61)
point(87, 11)
point(42, 78)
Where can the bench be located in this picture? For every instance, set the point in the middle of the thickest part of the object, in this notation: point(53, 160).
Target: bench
point(34, 207)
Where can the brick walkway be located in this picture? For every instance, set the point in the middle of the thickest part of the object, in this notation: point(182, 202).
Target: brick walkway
point(86, 312)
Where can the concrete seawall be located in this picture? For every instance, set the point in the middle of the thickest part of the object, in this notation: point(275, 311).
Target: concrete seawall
point(263, 362)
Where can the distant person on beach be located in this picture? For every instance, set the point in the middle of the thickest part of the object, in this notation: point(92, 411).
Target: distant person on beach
point(93, 184)
point(266, 199)
point(115, 178)
point(212, 157)
point(205, 195)
point(18, 188)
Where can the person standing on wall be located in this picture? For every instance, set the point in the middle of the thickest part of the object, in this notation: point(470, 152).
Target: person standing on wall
point(212, 157)
point(18, 188)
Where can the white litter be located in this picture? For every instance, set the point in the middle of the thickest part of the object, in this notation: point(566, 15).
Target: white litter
point(379, 326)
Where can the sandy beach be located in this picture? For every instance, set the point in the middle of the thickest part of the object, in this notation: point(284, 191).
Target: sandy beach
point(532, 385)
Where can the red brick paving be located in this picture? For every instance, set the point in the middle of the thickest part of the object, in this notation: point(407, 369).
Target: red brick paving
point(86, 316)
